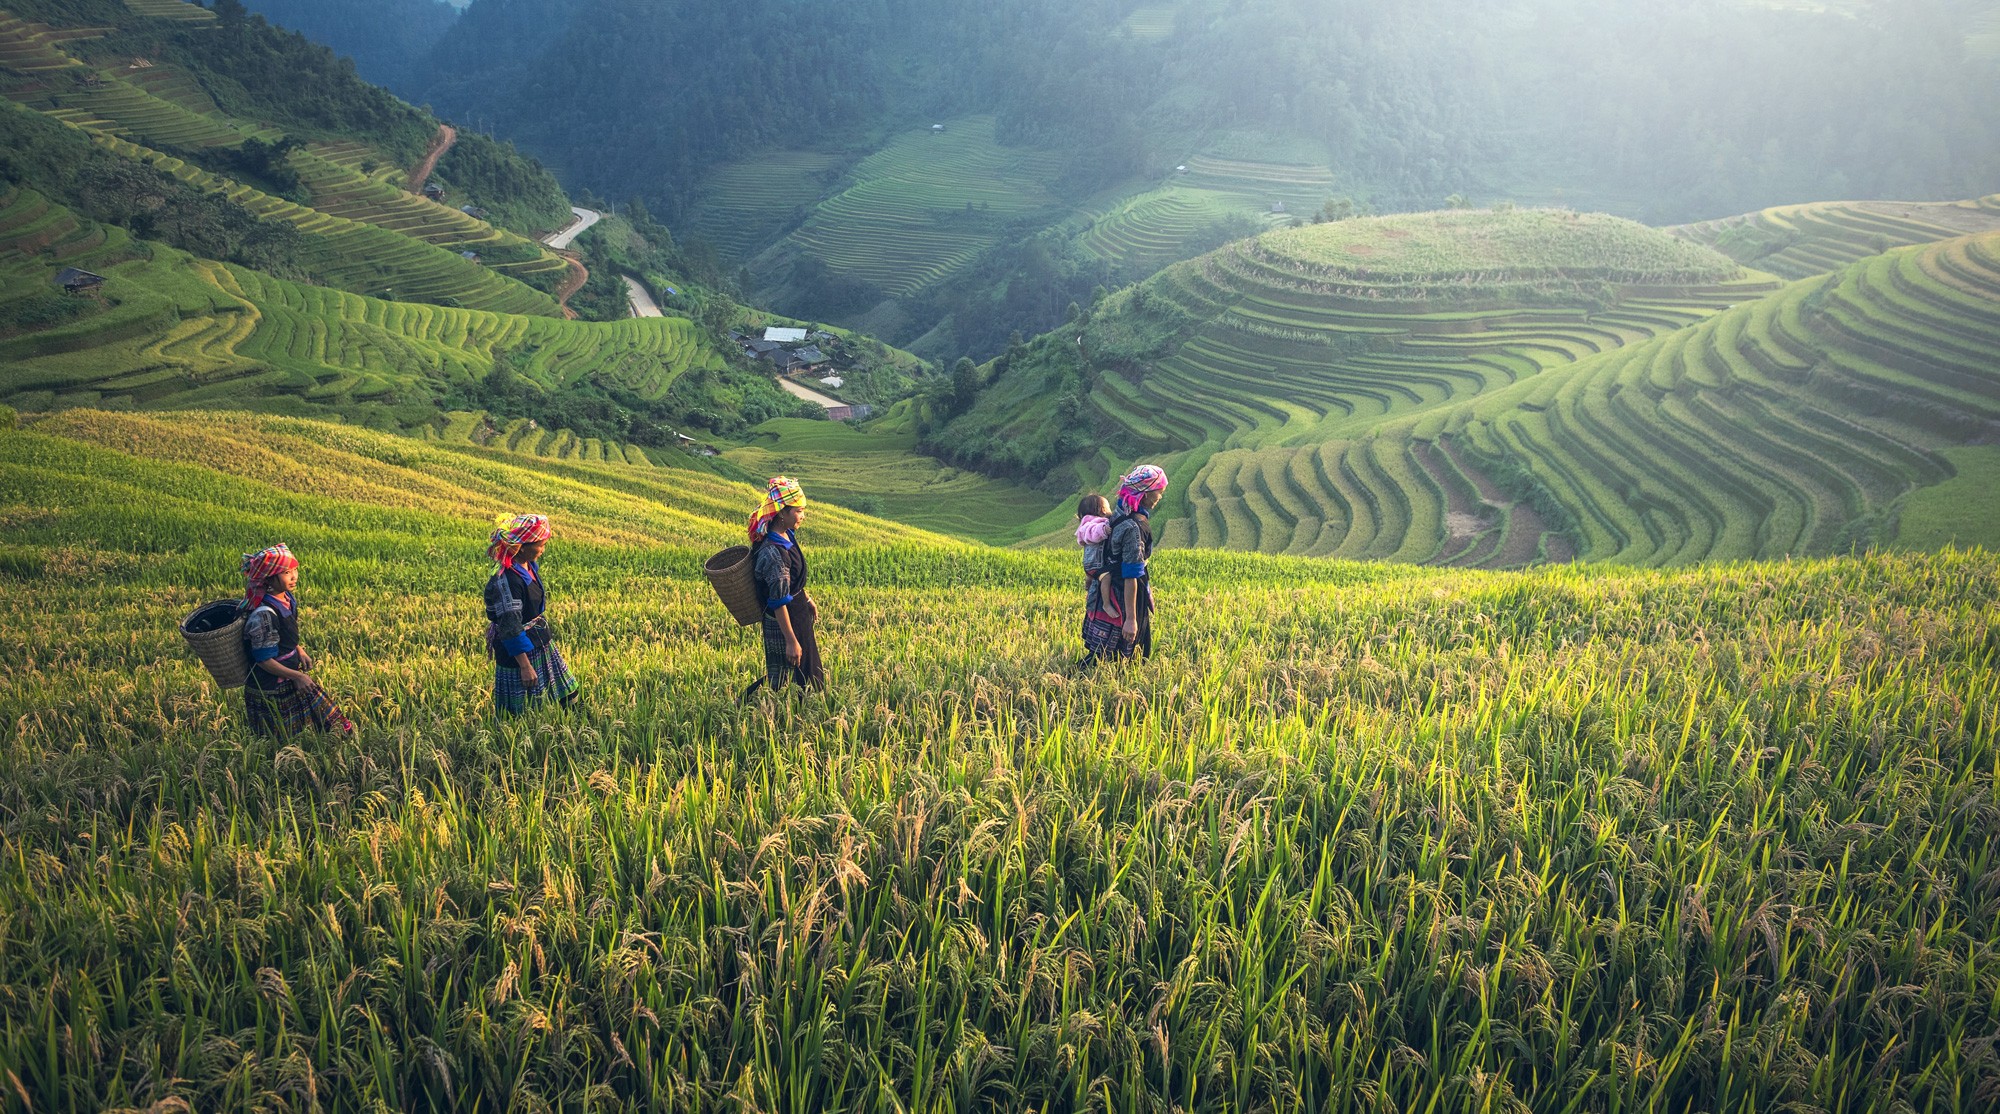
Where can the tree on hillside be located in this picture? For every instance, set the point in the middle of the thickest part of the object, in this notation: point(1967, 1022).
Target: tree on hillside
point(964, 384)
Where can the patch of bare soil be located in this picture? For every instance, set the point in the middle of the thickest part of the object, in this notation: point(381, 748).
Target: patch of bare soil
point(440, 143)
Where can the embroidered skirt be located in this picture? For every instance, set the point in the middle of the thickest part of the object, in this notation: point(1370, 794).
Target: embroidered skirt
point(292, 710)
point(553, 681)
point(778, 672)
point(1105, 638)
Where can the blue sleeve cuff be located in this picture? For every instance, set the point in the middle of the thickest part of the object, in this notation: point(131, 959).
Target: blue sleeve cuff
point(1130, 571)
point(269, 653)
point(518, 644)
point(781, 601)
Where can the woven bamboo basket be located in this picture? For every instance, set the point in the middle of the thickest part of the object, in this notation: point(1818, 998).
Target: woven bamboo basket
point(214, 631)
point(729, 573)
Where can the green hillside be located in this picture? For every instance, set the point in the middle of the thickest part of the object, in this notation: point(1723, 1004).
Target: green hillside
point(1302, 334)
point(1361, 836)
point(173, 331)
point(1800, 241)
point(360, 231)
point(1504, 388)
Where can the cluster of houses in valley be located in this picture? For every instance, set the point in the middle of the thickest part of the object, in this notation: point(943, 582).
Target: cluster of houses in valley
point(800, 356)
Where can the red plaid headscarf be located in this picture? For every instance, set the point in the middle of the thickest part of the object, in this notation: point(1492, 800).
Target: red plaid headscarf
point(261, 566)
point(1144, 479)
point(512, 531)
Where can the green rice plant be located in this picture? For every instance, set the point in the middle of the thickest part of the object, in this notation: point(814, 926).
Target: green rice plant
point(1362, 834)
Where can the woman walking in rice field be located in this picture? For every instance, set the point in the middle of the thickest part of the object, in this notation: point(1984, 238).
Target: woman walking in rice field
point(1127, 553)
point(527, 667)
point(281, 700)
point(791, 652)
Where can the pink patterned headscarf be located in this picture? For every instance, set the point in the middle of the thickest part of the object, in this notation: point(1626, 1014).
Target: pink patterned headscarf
point(1142, 481)
point(261, 566)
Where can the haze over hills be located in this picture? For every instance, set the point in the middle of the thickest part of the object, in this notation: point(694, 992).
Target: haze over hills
point(1065, 124)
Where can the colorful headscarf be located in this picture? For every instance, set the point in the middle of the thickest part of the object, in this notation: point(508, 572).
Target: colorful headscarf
point(781, 492)
point(512, 531)
point(261, 566)
point(1142, 481)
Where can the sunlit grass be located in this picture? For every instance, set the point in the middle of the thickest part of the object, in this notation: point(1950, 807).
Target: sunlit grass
point(1361, 837)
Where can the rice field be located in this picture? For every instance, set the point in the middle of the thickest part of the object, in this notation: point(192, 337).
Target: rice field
point(1804, 241)
point(1805, 422)
point(745, 204)
point(171, 9)
point(880, 470)
point(179, 332)
point(1150, 23)
point(925, 206)
point(1362, 837)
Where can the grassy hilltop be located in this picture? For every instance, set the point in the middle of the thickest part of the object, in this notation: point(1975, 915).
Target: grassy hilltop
point(1374, 836)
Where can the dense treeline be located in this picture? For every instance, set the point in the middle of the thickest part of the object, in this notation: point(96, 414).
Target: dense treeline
point(517, 191)
point(1682, 111)
point(388, 39)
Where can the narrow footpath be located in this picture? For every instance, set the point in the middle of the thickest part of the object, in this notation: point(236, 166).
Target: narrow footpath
point(421, 173)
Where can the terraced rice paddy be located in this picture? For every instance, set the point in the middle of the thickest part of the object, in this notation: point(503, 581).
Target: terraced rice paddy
point(744, 205)
point(1287, 350)
point(925, 206)
point(1144, 233)
point(1798, 423)
point(182, 332)
point(33, 50)
point(1360, 838)
point(369, 236)
point(1801, 241)
point(881, 471)
point(171, 9)
point(341, 189)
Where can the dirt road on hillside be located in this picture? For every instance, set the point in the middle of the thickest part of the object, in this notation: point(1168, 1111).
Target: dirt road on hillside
point(808, 394)
point(421, 173)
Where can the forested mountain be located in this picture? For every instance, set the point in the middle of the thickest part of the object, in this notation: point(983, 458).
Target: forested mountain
point(389, 40)
point(1664, 113)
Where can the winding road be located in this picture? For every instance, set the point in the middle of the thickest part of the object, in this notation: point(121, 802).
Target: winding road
point(584, 219)
point(643, 304)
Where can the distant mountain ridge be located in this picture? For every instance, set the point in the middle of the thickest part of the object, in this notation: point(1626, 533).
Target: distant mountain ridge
point(1635, 110)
